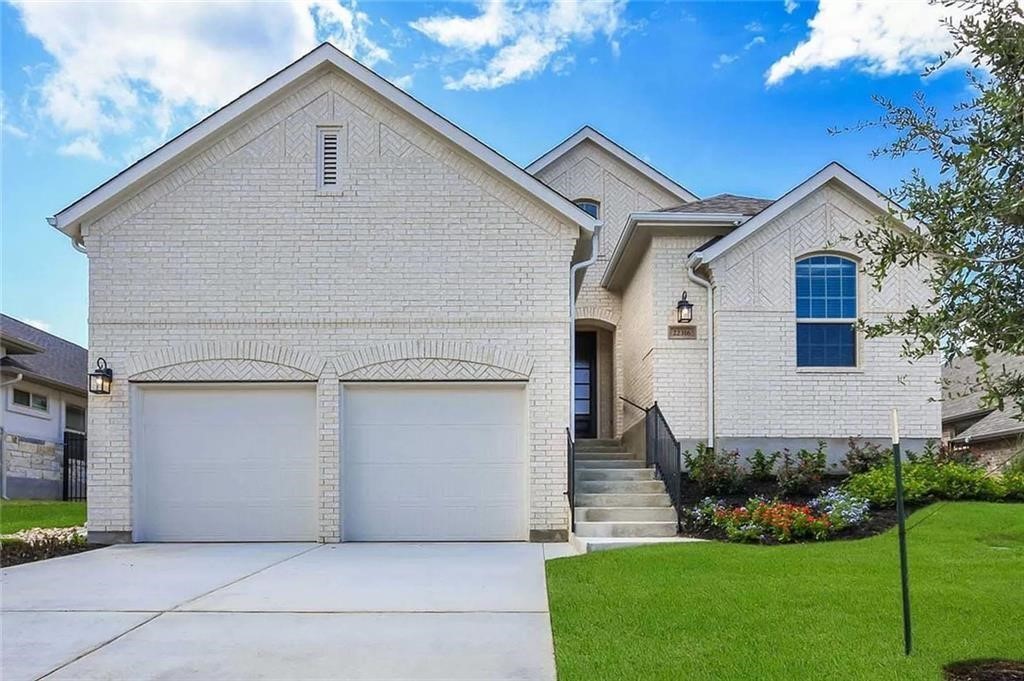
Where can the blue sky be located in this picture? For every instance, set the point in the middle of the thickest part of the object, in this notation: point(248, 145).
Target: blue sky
point(723, 97)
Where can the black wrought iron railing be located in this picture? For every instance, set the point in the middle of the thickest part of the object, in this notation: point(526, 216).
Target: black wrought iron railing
point(570, 485)
point(74, 473)
point(663, 453)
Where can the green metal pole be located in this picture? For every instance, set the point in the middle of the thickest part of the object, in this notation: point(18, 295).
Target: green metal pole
point(901, 520)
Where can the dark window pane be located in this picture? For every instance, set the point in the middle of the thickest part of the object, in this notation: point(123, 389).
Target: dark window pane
point(74, 418)
point(583, 391)
point(582, 406)
point(825, 345)
point(21, 397)
point(826, 288)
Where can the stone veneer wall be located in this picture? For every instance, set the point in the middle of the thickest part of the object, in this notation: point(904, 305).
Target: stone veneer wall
point(34, 468)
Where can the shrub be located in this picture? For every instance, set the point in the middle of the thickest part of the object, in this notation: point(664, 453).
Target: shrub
point(864, 456)
point(761, 520)
point(1013, 485)
point(714, 473)
point(762, 466)
point(842, 508)
point(925, 479)
point(945, 453)
point(798, 475)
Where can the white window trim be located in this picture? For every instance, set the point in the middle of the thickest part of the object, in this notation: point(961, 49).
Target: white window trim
point(858, 347)
point(29, 411)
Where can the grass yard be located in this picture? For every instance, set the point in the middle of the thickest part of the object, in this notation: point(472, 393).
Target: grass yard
point(21, 514)
point(807, 611)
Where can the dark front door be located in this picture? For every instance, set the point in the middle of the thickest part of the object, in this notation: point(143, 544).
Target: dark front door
point(585, 389)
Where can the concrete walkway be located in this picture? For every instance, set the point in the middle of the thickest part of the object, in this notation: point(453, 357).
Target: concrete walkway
point(280, 611)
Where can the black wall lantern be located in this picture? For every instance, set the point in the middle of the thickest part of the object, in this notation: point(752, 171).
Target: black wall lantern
point(684, 310)
point(100, 378)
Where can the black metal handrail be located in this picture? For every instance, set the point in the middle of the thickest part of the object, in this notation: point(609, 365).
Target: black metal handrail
point(570, 486)
point(663, 453)
point(632, 403)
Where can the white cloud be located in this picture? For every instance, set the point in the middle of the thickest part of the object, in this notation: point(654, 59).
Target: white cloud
point(790, 5)
point(82, 147)
point(402, 82)
point(8, 127)
point(724, 60)
point(525, 38)
point(754, 42)
point(488, 29)
point(135, 69)
point(877, 37)
point(754, 27)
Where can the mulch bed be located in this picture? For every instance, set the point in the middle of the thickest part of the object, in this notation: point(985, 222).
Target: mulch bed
point(17, 553)
point(880, 520)
point(985, 670)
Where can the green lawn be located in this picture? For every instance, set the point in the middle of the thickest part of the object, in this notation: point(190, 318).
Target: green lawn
point(26, 514)
point(806, 611)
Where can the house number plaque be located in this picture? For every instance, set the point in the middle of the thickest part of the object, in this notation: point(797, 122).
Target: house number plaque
point(685, 331)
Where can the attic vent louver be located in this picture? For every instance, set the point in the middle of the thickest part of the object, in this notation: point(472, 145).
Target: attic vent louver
point(329, 154)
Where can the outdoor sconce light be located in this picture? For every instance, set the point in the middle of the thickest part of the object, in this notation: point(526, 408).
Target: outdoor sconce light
point(101, 378)
point(684, 310)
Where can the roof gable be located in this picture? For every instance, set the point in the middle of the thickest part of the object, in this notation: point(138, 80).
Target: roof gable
point(70, 219)
point(589, 134)
point(833, 172)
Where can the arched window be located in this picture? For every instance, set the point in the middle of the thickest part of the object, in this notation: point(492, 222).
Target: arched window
point(826, 311)
point(590, 206)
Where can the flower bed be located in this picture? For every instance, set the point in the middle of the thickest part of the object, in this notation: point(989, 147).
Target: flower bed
point(830, 514)
point(783, 497)
point(38, 544)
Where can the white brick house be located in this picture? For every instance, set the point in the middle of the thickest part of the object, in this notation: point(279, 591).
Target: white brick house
point(333, 315)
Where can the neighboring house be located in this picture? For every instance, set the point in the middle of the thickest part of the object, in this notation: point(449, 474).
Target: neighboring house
point(994, 435)
point(333, 315)
point(44, 398)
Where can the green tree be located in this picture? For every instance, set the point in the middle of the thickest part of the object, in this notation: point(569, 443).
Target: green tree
point(968, 224)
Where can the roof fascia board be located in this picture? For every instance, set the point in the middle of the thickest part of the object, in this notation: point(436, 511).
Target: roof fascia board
point(68, 219)
point(833, 171)
point(638, 222)
point(587, 133)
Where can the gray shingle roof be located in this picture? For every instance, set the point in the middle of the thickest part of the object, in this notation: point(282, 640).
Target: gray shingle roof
point(61, 362)
point(961, 395)
point(723, 203)
point(997, 424)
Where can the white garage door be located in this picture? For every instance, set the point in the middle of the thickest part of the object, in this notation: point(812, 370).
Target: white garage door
point(226, 463)
point(434, 463)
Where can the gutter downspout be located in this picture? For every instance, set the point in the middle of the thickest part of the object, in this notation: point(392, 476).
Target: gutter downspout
point(52, 221)
point(3, 457)
point(691, 271)
point(595, 242)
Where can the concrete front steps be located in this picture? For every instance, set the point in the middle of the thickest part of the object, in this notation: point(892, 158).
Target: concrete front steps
point(618, 500)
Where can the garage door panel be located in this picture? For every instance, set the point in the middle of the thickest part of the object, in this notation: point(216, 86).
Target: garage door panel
point(434, 463)
point(449, 444)
point(227, 464)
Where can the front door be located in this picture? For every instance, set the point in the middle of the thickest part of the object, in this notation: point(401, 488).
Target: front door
point(585, 390)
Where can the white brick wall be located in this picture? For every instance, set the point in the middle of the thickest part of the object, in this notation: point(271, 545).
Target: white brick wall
point(422, 244)
point(588, 172)
point(759, 390)
point(636, 331)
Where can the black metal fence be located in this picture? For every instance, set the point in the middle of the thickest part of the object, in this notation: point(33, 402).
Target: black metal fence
point(570, 486)
point(663, 453)
point(74, 467)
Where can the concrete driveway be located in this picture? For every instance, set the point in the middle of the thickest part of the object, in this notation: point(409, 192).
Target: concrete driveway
point(280, 611)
